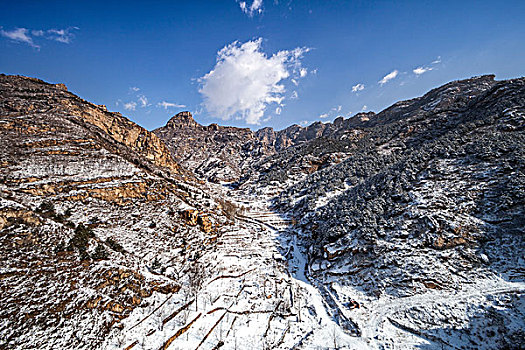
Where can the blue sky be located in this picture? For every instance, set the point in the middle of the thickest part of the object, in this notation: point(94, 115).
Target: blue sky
point(258, 63)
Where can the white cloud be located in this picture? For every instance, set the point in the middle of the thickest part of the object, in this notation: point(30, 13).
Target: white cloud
point(303, 72)
point(278, 110)
point(254, 9)
point(421, 70)
point(134, 89)
point(61, 35)
point(166, 105)
point(130, 106)
point(388, 77)
point(364, 108)
point(20, 35)
point(304, 122)
point(294, 96)
point(245, 80)
point(358, 87)
point(333, 112)
point(23, 35)
point(143, 101)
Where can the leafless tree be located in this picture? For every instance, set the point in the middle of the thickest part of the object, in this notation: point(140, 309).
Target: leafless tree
point(335, 337)
point(196, 279)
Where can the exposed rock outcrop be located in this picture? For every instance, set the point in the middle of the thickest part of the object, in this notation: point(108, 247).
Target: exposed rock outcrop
point(21, 95)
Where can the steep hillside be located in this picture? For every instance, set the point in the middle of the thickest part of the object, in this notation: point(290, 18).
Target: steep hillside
point(430, 198)
point(93, 210)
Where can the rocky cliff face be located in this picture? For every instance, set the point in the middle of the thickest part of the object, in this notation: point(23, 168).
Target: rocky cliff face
point(213, 152)
point(21, 95)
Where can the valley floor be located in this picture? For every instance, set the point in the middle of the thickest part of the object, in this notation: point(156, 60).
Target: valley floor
point(259, 295)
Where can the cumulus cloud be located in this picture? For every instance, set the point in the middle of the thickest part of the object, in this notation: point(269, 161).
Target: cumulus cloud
point(134, 89)
point(24, 35)
point(295, 95)
point(245, 80)
point(254, 9)
point(388, 77)
point(130, 106)
point(324, 115)
point(20, 35)
point(166, 105)
point(358, 87)
point(303, 72)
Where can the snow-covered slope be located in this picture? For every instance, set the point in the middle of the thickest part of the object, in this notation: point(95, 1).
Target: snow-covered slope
point(429, 202)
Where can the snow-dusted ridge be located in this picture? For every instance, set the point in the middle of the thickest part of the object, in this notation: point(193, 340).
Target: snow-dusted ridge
point(397, 230)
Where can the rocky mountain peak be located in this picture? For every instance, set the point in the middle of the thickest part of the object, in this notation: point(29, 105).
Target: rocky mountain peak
point(182, 119)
